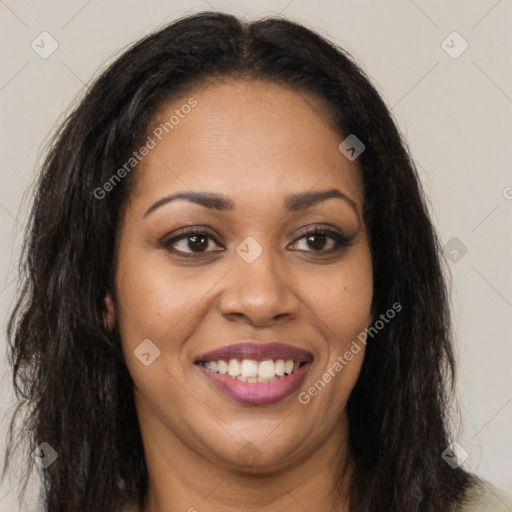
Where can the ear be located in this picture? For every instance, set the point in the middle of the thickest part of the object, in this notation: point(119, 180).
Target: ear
point(109, 315)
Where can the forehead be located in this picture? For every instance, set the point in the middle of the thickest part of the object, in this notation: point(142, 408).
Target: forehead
point(246, 139)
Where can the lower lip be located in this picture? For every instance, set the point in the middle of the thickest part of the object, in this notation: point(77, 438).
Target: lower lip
point(257, 393)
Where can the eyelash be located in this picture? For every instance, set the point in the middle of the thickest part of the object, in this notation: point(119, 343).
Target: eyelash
point(339, 238)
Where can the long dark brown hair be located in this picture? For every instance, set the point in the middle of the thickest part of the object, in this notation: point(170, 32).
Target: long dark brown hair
point(70, 378)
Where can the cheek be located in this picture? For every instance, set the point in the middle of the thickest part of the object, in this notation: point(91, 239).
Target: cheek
point(163, 304)
point(342, 298)
point(154, 299)
point(342, 302)
point(154, 304)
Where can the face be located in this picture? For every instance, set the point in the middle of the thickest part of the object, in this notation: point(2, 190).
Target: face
point(267, 261)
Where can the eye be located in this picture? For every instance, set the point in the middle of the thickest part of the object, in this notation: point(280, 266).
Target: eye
point(318, 238)
point(194, 242)
point(190, 242)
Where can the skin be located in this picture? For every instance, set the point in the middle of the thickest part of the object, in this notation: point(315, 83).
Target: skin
point(254, 143)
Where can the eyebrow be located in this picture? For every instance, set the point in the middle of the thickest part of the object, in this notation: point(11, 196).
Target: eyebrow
point(293, 202)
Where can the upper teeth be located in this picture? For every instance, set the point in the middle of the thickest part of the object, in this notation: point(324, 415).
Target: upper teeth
point(251, 370)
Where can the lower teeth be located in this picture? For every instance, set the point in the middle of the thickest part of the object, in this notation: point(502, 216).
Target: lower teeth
point(255, 379)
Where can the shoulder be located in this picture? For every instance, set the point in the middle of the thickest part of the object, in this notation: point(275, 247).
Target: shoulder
point(485, 497)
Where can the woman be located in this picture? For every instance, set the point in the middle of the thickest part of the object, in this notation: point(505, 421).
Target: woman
point(234, 298)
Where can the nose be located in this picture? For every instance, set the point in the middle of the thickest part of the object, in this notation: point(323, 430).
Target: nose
point(259, 292)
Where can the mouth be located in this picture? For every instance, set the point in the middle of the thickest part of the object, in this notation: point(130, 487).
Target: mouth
point(254, 373)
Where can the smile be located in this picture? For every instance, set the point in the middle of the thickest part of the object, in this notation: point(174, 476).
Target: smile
point(255, 373)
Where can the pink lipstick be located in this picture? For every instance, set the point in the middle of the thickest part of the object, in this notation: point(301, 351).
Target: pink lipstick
point(255, 373)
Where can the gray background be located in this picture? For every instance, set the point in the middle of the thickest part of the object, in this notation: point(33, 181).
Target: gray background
point(455, 114)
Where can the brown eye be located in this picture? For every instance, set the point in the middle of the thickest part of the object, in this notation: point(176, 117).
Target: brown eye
point(317, 239)
point(196, 242)
point(190, 242)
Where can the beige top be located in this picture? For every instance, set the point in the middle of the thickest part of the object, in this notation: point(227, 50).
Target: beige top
point(483, 497)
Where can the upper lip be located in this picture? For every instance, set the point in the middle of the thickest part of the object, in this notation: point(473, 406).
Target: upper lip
point(258, 351)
